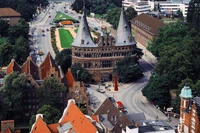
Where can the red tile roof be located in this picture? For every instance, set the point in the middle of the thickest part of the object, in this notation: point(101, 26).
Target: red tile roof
point(46, 65)
point(69, 78)
point(13, 66)
point(80, 123)
point(147, 23)
point(40, 126)
point(8, 12)
point(53, 127)
point(29, 67)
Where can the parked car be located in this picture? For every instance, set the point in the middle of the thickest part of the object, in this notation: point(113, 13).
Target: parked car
point(95, 28)
point(87, 85)
point(47, 29)
point(42, 30)
point(119, 105)
point(43, 34)
point(112, 99)
point(100, 90)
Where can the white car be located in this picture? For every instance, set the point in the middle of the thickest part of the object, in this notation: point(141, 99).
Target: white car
point(101, 90)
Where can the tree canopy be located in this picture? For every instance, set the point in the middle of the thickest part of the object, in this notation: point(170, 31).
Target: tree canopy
point(128, 70)
point(83, 74)
point(3, 28)
point(51, 92)
point(115, 13)
point(25, 7)
point(13, 92)
point(64, 59)
point(50, 115)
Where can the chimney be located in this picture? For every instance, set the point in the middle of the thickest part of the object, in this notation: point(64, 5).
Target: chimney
point(82, 41)
point(7, 124)
point(129, 38)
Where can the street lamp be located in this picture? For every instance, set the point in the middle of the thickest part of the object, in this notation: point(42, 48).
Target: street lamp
point(77, 74)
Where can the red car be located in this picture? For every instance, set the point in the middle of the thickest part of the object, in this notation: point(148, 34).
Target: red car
point(119, 105)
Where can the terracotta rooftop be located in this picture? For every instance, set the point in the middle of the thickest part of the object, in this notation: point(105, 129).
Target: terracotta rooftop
point(7, 12)
point(13, 66)
point(46, 65)
point(80, 123)
point(40, 126)
point(70, 78)
point(147, 23)
point(29, 67)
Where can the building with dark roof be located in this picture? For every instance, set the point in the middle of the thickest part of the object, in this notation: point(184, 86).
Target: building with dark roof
point(9, 15)
point(100, 58)
point(145, 28)
point(189, 112)
point(112, 119)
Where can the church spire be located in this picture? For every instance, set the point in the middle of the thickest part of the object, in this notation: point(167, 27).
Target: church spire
point(124, 36)
point(83, 37)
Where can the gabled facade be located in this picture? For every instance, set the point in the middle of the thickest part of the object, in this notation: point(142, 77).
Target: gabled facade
point(111, 118)
point(35, 76)
point(189, 112)
point(8, 126)
point(73, 120)
point(10, 16)
point(100, 59)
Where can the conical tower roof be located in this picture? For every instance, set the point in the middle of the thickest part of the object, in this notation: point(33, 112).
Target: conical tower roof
point(186, 92)
point(124, 36)
point(83, 37)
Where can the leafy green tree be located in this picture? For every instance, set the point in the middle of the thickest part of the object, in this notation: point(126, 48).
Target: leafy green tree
point(193, 15)
point(83, 74)
point(114, 20)
point(50, 93)
point(6, 53)
point(175, 31)
point(64, 59)
point(3, 28)
point(4, 105)
point(101, 9)
point(20, 29)
point(197, 88)
point(180, 15)
point(14, 92)
point(130, 13)
point(50, 115)
point(21, 51)
point(128, 70)
point(157, 91)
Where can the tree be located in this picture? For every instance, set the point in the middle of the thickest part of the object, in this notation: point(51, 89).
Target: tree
point(83, 74)
point(14, 92)
point(52, 93)
point(175, 31)
point(114, 20)
point(21, 50)
point(6, 53)
point(193, 15)
point(20, 29)
point(64, 59)
point(128, 70)
point(50, 115)
point(3, 28)
point(157, 91)
point(130, 13)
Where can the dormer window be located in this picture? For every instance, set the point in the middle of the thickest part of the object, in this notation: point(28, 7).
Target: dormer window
point(125, 41)
point(84, 28)
point(125, 26)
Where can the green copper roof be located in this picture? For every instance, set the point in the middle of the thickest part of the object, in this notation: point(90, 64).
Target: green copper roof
point(186, 92)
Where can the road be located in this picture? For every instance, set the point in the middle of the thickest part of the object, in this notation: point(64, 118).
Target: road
point(131, 97)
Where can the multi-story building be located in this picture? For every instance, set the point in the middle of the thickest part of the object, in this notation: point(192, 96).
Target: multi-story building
point(142, 7)
point(35, 76)
point(172, 6)
point(189, 112)
point(100, 58)
point(9, 15)
point(145, 28)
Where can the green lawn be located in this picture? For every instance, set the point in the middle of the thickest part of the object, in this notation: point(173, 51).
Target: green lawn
point(62, 16)
point(65, 38)
point(3, 39)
